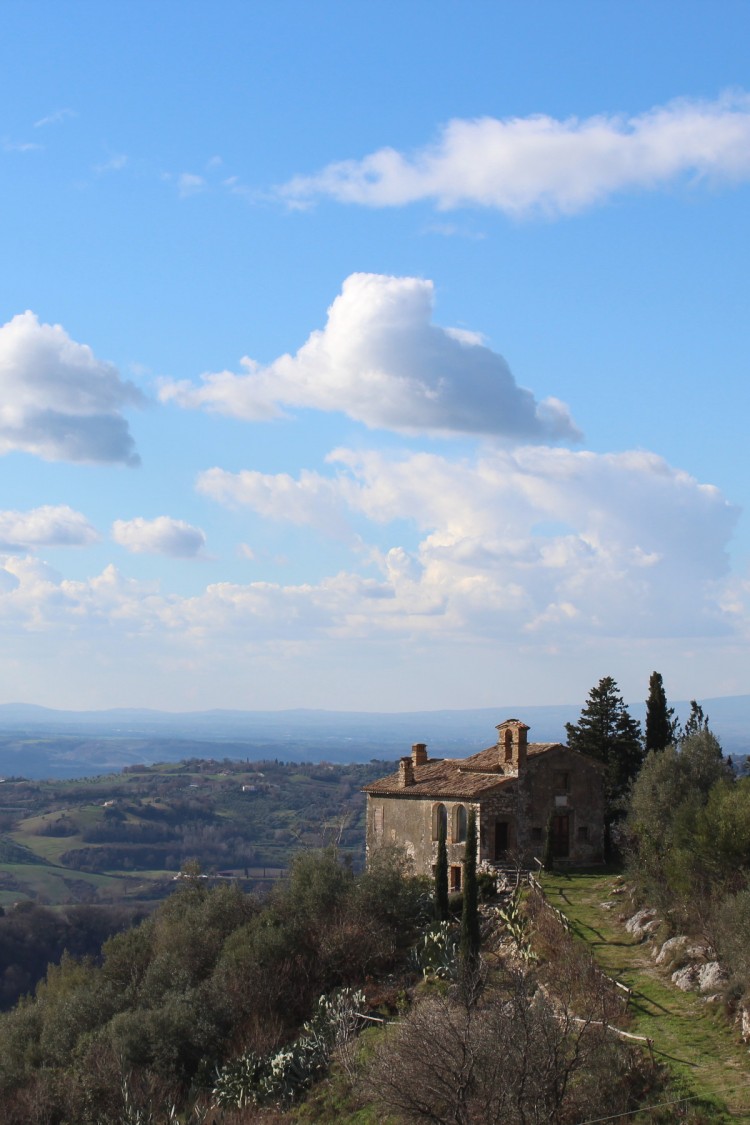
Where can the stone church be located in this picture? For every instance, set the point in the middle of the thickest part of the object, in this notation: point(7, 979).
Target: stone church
point(518, 789)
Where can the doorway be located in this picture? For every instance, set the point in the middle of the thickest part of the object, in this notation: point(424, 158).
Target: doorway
point(561, 836)
point(501, 838)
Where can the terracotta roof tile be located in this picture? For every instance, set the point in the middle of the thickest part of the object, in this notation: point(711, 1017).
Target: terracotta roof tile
point(489, 760)
point(460, 777)
point(438, 778)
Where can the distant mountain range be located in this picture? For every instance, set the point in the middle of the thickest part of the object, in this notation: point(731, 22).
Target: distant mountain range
point(42, 742)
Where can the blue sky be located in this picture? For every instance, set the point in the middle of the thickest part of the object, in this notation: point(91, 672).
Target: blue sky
point(373, 356)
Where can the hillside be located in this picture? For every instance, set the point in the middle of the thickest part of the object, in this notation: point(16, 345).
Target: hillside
point(691, 1035)
point(41, 742)
point(127, 835)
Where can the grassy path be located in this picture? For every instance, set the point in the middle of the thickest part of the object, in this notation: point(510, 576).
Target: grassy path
point(690, 1036)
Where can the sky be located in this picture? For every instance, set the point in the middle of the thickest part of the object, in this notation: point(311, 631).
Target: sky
point(373, 356)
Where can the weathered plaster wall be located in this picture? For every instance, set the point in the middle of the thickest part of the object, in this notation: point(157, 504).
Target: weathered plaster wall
point(558, 781)
point(407, 822)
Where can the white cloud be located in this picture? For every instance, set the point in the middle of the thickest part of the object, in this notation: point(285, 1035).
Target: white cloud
point(57, 400)
point(115, 163)
point(381, 361)
point(535, 540)
point(55, 118)
point(532, 567)
point(21, 146)
point(189, 184)
point(47, 526)
point(160, 536)
point(539, 164)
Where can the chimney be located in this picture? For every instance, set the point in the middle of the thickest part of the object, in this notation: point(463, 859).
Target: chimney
point(418, 754)
point(512, 744)
point(405, 773)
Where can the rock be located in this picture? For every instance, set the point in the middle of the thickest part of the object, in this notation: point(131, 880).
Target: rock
point(642, 923)
point(607, 905)
point(698, 952)
point(687, 978)
point(745, 1024)
point(671, 947)
point(710, 977)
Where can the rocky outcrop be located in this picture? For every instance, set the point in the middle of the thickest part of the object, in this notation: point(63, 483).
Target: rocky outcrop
point(643, 923)
point(687, 978)
point(672, 948)
point(708, 979)
point(711, 977)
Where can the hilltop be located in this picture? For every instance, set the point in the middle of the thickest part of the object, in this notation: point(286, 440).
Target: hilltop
point(42, 742)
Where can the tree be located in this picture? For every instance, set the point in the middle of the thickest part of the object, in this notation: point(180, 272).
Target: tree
point(441, 874)
point(661, 725)
point(696, 721)
point(517, 1057)
point(548, 855)
point(470, 936)
point(675, 843)
point(606, 731)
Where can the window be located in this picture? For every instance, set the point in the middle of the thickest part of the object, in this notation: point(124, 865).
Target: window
point(439, 816)
point(583, 834)
point(460, 824)
point(455, 879)
point(508, 741)
point(561, 781)
point(536, 834)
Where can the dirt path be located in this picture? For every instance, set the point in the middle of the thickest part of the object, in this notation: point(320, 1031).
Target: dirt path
point(690, 1035)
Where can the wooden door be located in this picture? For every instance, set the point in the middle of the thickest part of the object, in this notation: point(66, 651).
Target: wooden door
point(561, 836)
point(501, 838)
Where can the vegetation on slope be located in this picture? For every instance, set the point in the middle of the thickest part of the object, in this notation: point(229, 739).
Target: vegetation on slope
point(127, 835)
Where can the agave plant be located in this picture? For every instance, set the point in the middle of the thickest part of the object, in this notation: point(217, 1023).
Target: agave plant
point(278, 1078)
point(436, 953)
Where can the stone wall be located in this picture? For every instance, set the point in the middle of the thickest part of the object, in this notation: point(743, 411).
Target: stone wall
point(407, 822)
point(558, 782)
point(566, 784)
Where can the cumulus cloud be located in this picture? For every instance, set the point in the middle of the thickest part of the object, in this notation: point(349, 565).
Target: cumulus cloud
point(537, 559)
point(189, 184)
point(160, 536)
point(539, 164)
point(57, 400)
point(47, 526)
point(534, 539)
point(380, 360)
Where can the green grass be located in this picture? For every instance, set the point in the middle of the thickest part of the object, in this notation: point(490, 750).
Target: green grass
point(691, 1037)
point(52, 884)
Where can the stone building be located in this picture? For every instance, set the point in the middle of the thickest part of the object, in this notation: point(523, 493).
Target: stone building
point(517, 789)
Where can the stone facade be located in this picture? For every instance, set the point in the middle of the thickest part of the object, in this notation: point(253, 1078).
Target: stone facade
point(517, 790)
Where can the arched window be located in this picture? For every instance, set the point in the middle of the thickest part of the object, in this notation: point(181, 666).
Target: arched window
point(508, 739)
point(439, 816)
point(460, 823)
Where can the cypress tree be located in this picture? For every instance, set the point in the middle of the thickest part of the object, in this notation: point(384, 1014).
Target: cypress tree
point(696, 722)
point(441, 875)
point(661, 725)
point(548, 855)
point(606, 731)
point(470, 936)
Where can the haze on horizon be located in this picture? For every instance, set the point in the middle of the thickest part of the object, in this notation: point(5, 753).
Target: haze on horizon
point(373, 361)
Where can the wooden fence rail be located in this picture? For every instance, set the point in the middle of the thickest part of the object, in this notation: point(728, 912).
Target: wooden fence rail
point(537, 887)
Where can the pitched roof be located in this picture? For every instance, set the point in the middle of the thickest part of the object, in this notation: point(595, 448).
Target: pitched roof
point(455, 777)
point(488, 761)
